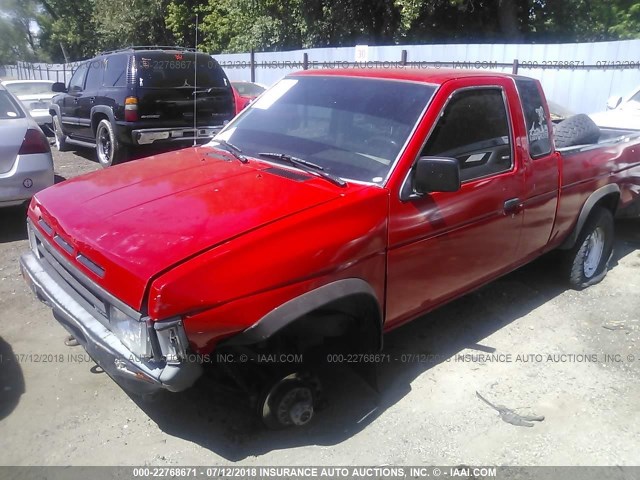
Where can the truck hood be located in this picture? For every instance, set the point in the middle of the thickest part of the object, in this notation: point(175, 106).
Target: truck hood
point(137, 220)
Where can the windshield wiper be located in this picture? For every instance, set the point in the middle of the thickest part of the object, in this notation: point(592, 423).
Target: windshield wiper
point(232, 149)
point(306, 166)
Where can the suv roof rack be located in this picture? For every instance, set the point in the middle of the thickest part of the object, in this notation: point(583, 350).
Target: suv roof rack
point(150, 47)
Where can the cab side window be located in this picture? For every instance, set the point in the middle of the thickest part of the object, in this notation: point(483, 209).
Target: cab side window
point(535, 117)
point(76, 84)
point(474, 129)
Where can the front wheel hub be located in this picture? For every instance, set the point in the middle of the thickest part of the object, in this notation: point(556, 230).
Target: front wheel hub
point(301, 413)
point(289, 403)
point(295, 406)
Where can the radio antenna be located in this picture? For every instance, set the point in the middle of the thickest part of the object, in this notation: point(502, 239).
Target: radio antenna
point(195, 88)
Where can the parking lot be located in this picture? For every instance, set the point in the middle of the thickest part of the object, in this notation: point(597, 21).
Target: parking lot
point(524, 341)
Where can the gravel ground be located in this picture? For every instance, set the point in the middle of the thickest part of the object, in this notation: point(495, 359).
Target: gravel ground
point(524, 341)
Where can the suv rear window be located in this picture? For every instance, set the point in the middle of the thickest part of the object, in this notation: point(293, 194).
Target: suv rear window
point(174, 70)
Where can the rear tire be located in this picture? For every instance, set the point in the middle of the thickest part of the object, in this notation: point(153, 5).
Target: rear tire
point(60, 137)
point(108, 149)
point(576, 130)
point(586, 263)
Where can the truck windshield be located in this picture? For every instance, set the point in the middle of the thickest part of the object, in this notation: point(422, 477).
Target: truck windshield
point(353, 128)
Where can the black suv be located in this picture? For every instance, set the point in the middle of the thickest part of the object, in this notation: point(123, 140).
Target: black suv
point(141, 96)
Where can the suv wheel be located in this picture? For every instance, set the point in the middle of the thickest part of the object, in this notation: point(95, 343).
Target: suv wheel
point(109, 150)
point(61, 138)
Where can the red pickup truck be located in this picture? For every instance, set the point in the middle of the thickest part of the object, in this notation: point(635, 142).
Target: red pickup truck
point(338, 206)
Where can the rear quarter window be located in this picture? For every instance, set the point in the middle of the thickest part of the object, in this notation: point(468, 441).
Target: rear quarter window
point(115, 73)
point(535, 118)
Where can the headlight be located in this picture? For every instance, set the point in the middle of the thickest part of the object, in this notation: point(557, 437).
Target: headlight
point(132, 333)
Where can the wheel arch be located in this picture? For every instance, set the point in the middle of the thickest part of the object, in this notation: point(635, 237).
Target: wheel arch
point(353, 297)
point(101, 113)
point(607, 197)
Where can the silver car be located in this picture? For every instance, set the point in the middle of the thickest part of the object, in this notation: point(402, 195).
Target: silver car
point(26, 165)
point(36, 97)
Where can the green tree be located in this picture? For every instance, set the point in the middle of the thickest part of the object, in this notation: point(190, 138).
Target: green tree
point(12, 44)
point(627, 22)
point(121, 23)
point(77, 29)
point(67, 31)
point(17, 29)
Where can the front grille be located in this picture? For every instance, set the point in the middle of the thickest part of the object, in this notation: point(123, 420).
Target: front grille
point(86, 292)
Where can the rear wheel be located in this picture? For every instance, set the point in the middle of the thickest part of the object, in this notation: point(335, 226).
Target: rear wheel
point(60, 137)
point(108, 149)
point(586, 262)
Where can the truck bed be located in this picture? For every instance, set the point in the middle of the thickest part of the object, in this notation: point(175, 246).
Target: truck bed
point(615, 159)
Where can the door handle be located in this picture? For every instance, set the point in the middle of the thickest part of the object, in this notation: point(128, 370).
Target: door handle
point(92, 99)
point(512, 206)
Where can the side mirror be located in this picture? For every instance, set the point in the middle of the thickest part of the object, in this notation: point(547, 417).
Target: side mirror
point(433, 174)
point(613, 102)
point(59, 87)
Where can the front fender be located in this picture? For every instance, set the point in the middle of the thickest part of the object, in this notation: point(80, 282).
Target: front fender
point(298, 307)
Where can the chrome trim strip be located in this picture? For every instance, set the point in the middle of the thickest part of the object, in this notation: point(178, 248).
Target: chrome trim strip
point(91, 265)
point(66, 246)
point(45, 226)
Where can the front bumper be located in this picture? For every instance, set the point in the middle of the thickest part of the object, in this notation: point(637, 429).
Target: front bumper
point(28, 175)
point(137, 375)
point(150, 136)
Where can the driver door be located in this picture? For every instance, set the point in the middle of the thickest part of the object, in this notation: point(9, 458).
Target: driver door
point(444, 244)
point(70, 104)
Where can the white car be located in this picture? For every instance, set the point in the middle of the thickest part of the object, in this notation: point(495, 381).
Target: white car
point(36, 96)
point(622, 113)
point(26, 165)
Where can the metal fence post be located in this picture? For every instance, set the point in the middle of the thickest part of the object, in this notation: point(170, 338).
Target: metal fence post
point(403, 58)
point(305, 61)
point(514, 70)
point(252, 61)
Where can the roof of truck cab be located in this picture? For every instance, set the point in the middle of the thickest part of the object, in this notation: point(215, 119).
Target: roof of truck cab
point(427, 75)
